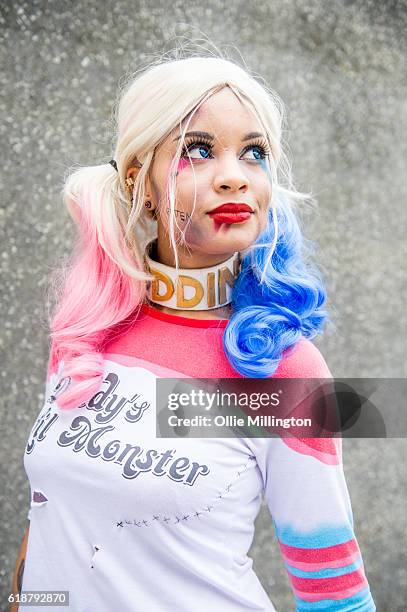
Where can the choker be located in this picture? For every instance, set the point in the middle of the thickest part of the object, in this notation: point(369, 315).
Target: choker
point(191, 288)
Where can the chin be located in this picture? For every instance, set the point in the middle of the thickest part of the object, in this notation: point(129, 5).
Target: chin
point(238, 238)
point(234, 243)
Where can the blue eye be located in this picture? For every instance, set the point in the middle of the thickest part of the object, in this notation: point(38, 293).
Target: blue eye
point(259, 150)
point(202, 150)
point(201, 146)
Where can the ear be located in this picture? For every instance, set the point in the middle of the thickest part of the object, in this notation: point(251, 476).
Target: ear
point(132, 173)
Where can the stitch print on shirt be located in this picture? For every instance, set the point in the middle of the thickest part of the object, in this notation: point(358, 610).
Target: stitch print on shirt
point(176, 520)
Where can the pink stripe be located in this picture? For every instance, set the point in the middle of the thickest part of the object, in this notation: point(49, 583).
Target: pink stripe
point(130, 361)
point(343, 594)
point(319, 555)
point(335, 584)
point(313, 567)
point(330, 453)
point(179, 320)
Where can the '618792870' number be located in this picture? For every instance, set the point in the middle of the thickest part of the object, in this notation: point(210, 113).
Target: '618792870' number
point(59, 598)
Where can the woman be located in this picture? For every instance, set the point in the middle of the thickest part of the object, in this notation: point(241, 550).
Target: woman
point(127, 521)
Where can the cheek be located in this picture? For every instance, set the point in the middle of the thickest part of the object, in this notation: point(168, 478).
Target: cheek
point(194, 236)
point(189, 188)
point(265, 189)
point(183, 182)
point(264, 198)
point(180, 195)
point(267, 179)
point(183, 163)
point(263, 218)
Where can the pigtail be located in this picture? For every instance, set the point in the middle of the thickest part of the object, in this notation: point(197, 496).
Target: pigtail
point(271, 315)
point(102, 283)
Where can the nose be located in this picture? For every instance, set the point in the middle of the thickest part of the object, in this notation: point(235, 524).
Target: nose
point(230, 175)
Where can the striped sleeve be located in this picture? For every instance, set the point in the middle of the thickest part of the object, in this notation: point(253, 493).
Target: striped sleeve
point(311, 511)
point(307, 495)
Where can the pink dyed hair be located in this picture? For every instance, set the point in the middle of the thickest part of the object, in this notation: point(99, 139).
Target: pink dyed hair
point(97, 296)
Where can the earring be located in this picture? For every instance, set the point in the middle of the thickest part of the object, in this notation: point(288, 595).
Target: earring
point(152, 211)
point(129, 182)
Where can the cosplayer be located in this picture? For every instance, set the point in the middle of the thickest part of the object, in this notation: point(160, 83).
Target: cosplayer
point(189, 262)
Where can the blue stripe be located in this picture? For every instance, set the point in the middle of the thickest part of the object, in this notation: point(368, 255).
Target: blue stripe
point(325, 573)
point(321, 537)
point(360, 602)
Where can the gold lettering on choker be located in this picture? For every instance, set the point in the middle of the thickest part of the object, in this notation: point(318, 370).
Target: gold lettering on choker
point(155, 284)
point(216, 283)
point(210, 281)
point(188, 281)
point(236, 267)
point(225, 277)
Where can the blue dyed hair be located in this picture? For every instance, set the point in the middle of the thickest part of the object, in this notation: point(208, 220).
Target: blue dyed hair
point(277, 298)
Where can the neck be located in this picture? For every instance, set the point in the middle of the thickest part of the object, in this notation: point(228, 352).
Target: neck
point(193, 292)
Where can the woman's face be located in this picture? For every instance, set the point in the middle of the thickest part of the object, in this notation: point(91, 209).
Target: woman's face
point(230, 165)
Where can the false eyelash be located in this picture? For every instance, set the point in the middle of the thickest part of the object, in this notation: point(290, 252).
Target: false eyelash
point(191, 144)
point(261, 144)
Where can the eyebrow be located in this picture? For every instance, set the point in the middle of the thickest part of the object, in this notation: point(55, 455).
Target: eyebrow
point(199, 134)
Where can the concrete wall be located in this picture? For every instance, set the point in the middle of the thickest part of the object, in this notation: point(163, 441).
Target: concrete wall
point(340, 68)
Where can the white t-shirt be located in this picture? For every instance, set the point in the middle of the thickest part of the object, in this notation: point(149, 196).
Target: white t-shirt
point(127, 521)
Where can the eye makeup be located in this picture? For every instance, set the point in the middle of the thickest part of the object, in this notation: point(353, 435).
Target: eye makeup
point(204, 142)
point(201, 134)
point(182, 163)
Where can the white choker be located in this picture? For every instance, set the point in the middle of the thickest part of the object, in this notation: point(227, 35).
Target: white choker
point(191, 289)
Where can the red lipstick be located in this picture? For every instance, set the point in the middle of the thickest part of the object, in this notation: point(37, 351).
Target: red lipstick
point(231, 212)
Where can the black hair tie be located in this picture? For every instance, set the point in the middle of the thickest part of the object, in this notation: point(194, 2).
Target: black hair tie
point(114, 164)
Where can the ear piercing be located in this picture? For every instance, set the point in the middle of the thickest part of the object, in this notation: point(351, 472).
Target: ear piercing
point(129, 183)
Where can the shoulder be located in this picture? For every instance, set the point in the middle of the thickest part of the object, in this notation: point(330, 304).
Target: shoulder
point(304, 360)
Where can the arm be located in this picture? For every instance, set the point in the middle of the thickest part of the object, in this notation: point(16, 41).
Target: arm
point(310, 506)
point(19, 570)
point(307, 495)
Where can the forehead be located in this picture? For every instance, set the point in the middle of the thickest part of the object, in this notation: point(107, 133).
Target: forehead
point(222, 104)
point(223, 114)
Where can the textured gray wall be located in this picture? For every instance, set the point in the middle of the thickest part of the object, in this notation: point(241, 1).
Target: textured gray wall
point(340, 68)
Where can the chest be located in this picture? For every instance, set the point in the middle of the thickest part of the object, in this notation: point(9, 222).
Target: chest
point(105, 455)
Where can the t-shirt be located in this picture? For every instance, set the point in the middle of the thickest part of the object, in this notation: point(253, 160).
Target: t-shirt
point(128, 521)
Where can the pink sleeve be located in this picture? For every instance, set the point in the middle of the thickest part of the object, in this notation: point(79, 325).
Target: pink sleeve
point(303, 361)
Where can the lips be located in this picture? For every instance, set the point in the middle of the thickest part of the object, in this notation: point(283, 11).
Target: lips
point(230, 207)
point(231, 213)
